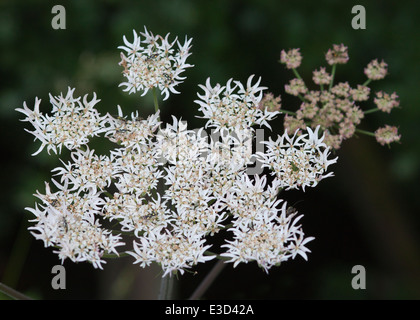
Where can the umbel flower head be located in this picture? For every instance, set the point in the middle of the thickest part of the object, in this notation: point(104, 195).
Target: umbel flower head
point(207, 189)
point(234, 106)
point(299, 161)
point(71, 123)
point(387, 134)
point(337, 55)
point(335, 107)
point(154, 62)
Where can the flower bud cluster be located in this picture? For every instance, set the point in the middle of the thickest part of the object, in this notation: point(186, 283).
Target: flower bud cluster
point(335, 107)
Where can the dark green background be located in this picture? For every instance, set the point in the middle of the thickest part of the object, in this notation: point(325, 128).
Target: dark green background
point(368, 214)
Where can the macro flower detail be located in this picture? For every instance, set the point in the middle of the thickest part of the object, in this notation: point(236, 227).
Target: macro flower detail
point(69, 223)
point(376, 70)
point(336, 107)
point(171, 188)
point(269, 240)
point(337, 55)
point(172, 251)
point(295, 87)
point(233, 106)
point(321, 77)
point(270, 102)
point(361, 93)
point(154, 62)
point(71, 123)
point(386, 102)
point(387, 135)
point(292, 58)
point(299, 161)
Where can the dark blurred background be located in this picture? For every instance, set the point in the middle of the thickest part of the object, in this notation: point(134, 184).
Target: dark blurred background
point(368, 214)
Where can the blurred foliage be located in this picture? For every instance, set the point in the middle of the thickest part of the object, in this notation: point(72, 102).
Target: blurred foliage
point(367, 214)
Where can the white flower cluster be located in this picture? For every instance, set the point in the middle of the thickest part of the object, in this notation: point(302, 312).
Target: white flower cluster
point(262, 231)
point(169, 187)
point(233, 106)
point(299, 161)
point(72, 122)
point(151, 62)
point(68, 221)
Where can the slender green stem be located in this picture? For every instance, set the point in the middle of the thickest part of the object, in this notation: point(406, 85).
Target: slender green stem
point(368, 133)
point(296, 74)
point(166, 288)
point(288, 112)
point(301, 98)
point(371, 110)
point(155, 99)
point(10, 292)
point(114, 256)
point(332, 76)
point(367, 82)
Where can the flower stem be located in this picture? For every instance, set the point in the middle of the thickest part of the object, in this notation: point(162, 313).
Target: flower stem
point(368, 133)
point(13, 293)
point(115, 256)
point(208, 280)
point(288, 112)
point(371, 110)
point(296, 74)
point(366, 82)
point(301, 98)
point(332, 76)
point(155, 99)
point(166, 288)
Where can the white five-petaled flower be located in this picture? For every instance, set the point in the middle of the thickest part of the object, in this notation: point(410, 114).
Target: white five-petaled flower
point(153, 62)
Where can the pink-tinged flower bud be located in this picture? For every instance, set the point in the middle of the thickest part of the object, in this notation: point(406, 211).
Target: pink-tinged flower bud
point(387, 134)
point(337, 55)
point(376, 70)
point(292, 58)
point(386, 102)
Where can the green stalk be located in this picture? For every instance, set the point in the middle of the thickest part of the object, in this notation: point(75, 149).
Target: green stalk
point(332, 76)
point(155, 100)
point(368, 133)
point(301, 98)
point(296, 74)
point(367, 82)
point(166, 288)
point(288, 112)
point(371, 110)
